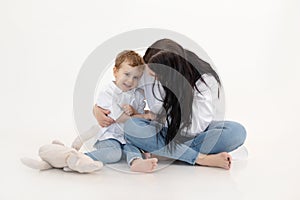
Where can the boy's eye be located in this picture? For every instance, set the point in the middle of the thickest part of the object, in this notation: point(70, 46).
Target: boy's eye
point(136, 78)
point(127, 74)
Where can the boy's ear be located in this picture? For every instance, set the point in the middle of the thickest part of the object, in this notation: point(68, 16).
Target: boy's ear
point(115, 70)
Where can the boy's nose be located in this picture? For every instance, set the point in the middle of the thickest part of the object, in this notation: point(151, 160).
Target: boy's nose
point(130, 80)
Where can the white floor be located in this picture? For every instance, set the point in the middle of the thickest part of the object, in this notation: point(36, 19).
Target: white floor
point(270, 172)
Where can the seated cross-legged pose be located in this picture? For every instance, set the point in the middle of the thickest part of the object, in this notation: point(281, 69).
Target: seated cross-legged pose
point(186, 127)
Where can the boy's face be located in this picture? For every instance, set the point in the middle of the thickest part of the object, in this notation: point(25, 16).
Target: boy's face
point(127, 77)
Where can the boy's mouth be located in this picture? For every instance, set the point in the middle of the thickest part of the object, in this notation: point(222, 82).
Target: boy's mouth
point(127, 86)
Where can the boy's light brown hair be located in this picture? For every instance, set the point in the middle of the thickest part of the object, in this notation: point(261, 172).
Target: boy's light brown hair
point(133, 59)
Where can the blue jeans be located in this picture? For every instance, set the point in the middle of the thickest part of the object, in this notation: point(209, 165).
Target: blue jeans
point(111, 151)
point(220, 136)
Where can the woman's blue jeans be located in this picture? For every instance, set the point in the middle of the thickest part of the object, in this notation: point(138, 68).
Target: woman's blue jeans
point(220, 136)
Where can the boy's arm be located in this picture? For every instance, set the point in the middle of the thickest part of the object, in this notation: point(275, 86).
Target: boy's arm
point(149, 116)
point(129, 111)
point(124, 117)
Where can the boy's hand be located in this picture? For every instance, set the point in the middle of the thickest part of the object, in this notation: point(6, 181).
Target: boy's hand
point(128, 110)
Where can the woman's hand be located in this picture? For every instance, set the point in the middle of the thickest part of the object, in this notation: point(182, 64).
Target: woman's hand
point(150, 115)
point(101, 116)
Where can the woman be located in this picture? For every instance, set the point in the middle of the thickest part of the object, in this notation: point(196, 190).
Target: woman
point(187, 89)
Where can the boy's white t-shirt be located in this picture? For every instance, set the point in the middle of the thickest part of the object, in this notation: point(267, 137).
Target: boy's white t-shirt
point(113, 98)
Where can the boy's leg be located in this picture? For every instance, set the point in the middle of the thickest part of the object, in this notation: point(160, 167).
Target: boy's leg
point(107, 151)
point(131, 152)
point(135, 160)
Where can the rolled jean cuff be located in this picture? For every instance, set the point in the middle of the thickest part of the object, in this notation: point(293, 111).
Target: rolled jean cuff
point(195, 159)
point(132, 159)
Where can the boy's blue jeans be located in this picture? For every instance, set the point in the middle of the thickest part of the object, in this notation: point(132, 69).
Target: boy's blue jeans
point(220, 136)
point(111, 151)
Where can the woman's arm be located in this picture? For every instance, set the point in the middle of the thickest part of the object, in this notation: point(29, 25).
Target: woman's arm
point(101, 116)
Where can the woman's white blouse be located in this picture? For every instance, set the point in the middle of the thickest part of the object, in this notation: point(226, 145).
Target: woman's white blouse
point(206, 104)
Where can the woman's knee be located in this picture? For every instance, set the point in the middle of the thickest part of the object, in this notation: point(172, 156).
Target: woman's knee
point(138, 128)
point(236, 136)
point(132, 126)
point(239, 132)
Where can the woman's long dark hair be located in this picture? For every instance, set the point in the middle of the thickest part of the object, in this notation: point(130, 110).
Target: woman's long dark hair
point(174, 76)
point(163, 45)
point(177, 70)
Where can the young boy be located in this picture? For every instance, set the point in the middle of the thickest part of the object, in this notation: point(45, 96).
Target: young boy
point(124, 100)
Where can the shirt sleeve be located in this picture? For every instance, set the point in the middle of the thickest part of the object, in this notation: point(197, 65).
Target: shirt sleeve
point(203, 105)
point(146, 83)
point(140, 98)
point(106, 100)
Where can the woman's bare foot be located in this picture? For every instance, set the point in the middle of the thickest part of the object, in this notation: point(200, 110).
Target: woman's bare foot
point(143, 165)
point(222, 160)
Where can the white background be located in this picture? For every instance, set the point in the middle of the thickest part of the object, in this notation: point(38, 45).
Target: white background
point(254, 44)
